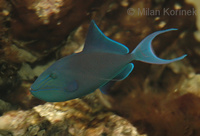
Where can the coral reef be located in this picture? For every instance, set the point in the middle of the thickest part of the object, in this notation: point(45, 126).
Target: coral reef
point(154, 100)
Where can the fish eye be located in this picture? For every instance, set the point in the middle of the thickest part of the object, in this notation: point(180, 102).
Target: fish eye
point(53, 75)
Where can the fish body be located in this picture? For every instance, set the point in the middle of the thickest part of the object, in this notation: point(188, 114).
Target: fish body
point(102, 60)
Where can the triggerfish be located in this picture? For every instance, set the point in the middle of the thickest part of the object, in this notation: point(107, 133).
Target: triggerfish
point(102, 61)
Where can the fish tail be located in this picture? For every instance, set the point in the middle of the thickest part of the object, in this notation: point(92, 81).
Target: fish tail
point(144, 51)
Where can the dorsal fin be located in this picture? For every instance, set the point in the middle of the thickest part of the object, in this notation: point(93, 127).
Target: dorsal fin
point(97, 41)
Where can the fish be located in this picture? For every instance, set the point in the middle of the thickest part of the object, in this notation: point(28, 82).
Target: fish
point(101, 62)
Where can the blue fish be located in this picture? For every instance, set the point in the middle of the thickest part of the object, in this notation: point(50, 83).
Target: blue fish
point(102, 60)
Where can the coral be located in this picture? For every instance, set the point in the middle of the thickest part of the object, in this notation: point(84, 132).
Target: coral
point(74, 117)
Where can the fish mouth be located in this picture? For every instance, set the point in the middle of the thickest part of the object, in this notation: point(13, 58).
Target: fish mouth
point(40, 83)
point(39, 89)
point(48, 94)
point(44, 89)
point(32, 90)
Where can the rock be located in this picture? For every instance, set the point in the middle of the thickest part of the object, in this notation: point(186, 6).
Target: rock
point(4, 107)
point(17, 122)
point(9, 78)
point(73, 117)
point(46, 23)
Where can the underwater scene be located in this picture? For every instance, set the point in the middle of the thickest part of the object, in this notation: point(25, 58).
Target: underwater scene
point(99, 68)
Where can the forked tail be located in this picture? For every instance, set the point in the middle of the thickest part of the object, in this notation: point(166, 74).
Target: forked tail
point(144, 52)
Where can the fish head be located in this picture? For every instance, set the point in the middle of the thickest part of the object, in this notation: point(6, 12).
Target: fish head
point(53, 86)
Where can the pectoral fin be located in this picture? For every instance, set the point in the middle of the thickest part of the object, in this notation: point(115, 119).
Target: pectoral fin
point(71, 86)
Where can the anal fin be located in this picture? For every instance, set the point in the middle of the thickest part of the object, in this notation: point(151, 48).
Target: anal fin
point(126, 71)
point(106, 87)
point(121, 76)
